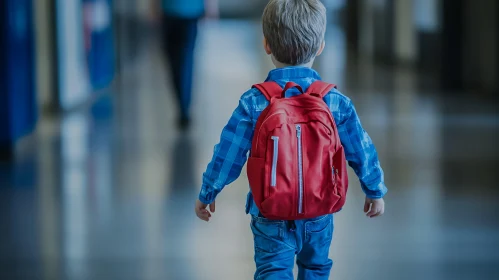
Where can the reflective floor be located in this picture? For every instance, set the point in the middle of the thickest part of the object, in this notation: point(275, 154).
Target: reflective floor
point(108, 192)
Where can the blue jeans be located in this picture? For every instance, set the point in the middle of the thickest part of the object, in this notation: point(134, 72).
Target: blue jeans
point(278, 242)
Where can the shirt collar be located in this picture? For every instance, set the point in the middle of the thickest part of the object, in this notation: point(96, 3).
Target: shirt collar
point(292, 72)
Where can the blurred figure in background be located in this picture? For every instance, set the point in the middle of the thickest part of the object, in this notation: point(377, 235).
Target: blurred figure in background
point(180, 26)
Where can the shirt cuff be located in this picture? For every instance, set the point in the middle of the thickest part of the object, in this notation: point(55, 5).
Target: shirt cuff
point(376, 192)
point(204, 200)
point(207, 194)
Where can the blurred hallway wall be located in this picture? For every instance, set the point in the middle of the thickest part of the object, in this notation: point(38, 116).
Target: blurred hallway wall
point(405, 31)
point(455, 41)
point(242, 8)
point(45, 54)
point(228, 8)
point(481, 44)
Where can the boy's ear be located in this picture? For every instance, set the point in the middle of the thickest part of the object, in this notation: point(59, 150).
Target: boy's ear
point(266, 46)
point(322, 48)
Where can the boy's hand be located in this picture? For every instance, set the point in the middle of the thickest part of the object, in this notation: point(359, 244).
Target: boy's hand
point(201, 211)
point(374, 207)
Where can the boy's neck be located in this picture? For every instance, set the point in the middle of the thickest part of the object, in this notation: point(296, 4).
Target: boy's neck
point(278, 64)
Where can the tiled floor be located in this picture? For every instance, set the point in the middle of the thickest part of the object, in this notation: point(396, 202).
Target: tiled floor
point(108, 193)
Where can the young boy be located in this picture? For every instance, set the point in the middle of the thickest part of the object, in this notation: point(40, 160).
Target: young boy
point(294, 35)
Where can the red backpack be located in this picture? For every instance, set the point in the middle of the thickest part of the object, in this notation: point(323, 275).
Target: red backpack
point(297, 167)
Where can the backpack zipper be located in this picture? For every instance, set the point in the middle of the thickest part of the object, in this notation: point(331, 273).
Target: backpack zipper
point(273, 178)
point(300, 169)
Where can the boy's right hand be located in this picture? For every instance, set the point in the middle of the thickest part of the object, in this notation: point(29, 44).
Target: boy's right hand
point(201, 211)
point(374, 207)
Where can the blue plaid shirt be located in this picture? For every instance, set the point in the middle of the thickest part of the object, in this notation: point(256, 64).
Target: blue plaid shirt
point(231, 153)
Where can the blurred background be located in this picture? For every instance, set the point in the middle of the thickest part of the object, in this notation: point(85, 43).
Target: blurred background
point(98, 180)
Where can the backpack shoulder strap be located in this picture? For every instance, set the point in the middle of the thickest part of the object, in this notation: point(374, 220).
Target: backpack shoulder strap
point(320, 88)
point(269, 89)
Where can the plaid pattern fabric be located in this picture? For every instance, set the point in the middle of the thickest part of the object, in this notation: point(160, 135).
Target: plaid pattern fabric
point(231, 153)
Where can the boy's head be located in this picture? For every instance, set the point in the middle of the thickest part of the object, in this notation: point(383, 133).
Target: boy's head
point(294, 30)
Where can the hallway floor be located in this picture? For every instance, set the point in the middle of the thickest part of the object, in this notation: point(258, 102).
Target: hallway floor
point(108, 192)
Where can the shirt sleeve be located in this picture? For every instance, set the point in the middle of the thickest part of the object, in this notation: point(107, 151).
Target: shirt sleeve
point(229, 156)
point(361, 154)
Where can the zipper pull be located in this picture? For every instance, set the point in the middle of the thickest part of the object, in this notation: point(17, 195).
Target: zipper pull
point(298, 130)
